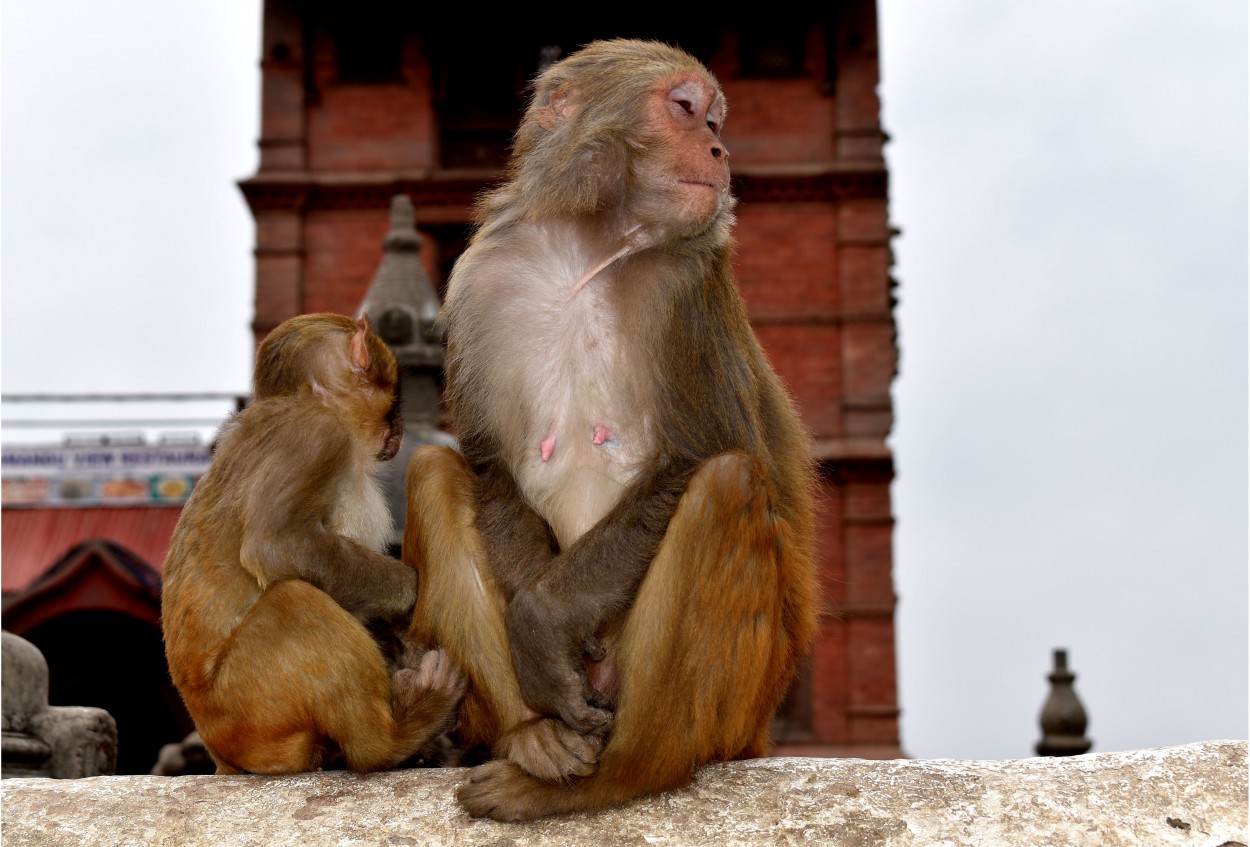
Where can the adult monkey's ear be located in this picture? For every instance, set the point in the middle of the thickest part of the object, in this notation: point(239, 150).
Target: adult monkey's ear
point(559, 108)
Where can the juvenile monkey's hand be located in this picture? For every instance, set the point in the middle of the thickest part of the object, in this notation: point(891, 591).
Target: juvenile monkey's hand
point(547, 649)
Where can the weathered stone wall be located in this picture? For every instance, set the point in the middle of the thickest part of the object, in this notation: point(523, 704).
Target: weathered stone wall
point(1191, 795)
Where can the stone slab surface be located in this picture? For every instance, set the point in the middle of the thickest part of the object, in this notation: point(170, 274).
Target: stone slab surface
point(1189, 795)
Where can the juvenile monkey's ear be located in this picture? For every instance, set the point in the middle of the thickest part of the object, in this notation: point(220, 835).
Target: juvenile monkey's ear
point(360, 343)
point(559, 109)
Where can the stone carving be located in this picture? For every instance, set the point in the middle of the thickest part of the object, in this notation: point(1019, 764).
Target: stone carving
point(62, 742)
point(188, 756)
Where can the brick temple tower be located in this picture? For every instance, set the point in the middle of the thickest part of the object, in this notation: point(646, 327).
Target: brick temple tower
point(368, 100)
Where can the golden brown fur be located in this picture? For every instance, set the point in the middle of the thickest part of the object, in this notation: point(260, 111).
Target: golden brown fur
point(275, 570)
point(622, 558)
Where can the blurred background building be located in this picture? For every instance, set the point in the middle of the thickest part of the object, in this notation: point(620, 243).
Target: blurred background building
point(363, 102)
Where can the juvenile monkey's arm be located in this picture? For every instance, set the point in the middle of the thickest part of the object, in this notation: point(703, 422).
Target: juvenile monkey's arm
point(286, 535)
point(370, 585)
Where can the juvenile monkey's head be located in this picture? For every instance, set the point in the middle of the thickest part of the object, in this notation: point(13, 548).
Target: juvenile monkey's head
point(627, 130)
point(342, 363)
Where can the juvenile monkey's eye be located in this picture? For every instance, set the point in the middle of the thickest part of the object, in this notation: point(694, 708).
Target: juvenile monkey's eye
point(713, 126)
point(687, 106)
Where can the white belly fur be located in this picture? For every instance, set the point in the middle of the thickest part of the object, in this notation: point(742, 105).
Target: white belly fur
point(566, 376)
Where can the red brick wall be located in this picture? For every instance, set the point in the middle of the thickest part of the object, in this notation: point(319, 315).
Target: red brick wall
point(371, 127)
point(778, 122)
point(807, 359)
point(787, 257)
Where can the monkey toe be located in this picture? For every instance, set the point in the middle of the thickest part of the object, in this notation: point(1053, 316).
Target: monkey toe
point(437, 672)
point(481, 795)
point(432, 664)
point(550, 750)
point(410, 652)
point(582, 751)
point(410, 690)
point(585, 718)
point(494, 791)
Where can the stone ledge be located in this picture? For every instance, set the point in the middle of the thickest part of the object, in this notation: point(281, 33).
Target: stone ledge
point(1189, 795)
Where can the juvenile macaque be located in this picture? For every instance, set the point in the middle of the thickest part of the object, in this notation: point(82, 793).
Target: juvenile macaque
point(622, 558)
point(275, 570)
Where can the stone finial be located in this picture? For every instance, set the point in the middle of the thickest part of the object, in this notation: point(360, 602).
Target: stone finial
point(1063, 717)
point(403, 236)
point(401, 301)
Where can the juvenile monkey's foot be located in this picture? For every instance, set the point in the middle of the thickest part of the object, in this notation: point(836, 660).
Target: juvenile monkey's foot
point(435, 677)
point(410, 652)
point(550, 750)
point(438, 672)
point(424, 702)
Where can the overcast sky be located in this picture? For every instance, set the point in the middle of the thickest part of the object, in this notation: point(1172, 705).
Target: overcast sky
point(1070, 180)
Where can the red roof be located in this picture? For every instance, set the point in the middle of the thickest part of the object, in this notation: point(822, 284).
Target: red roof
point(33, 540)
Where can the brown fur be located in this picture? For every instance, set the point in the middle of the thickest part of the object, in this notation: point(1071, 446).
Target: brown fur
point(622, 559)
point(275, 570)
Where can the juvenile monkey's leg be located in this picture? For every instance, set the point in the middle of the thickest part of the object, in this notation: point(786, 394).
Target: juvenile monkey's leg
point(301, 674)
point(704, 655)
point(460, 608)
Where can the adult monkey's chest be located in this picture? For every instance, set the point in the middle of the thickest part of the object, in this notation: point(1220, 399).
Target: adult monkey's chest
point(545, 356)
point(588, 425)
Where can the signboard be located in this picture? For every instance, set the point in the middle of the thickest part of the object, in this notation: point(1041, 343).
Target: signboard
point(101, 475)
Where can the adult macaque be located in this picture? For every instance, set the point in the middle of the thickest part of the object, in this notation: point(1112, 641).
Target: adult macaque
point(629, 528)
point(275, 570)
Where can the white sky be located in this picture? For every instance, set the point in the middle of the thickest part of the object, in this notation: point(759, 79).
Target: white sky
point(1071, 438)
